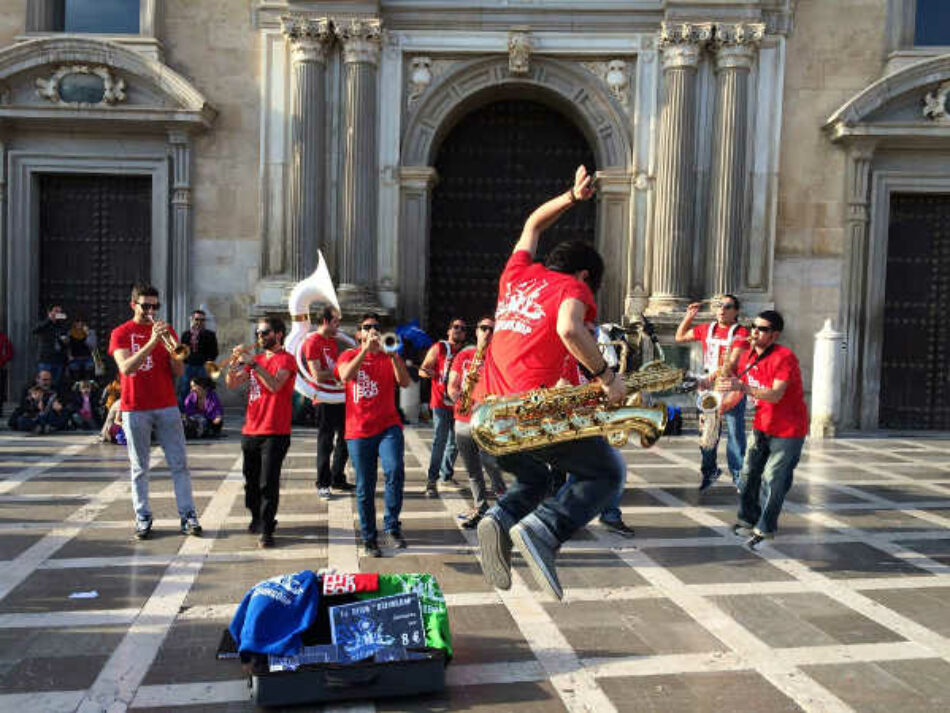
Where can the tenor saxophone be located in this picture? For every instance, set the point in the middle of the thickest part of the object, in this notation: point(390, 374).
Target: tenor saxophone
point(544, 417)
point(472, 376)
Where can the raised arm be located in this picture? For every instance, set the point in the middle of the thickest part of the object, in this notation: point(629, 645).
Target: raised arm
point(545, 215)
point(684, 332)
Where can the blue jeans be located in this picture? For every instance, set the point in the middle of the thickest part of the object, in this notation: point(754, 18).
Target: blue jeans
point(184, 383)
point(444, 448)
point(735, 445)
point(171, 437)
point(611, 513)
point(597, 475)
point(389, 446)
point(769, 464)
point(477, 463)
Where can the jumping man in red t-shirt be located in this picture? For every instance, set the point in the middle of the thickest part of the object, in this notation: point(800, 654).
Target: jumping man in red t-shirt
point(768, 373)
point(374, 431)
point(540, 318)
point(266, 432)
point(724, 341)
point(147, 372)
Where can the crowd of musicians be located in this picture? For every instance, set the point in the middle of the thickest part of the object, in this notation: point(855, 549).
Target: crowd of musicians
point(540, 336)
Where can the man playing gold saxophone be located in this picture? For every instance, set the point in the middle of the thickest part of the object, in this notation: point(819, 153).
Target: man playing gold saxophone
point(540, 318)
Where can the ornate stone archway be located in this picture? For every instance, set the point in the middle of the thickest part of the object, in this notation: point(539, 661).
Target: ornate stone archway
point(565, 86)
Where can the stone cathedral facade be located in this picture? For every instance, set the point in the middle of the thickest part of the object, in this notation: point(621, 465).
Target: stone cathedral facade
point(793, 153)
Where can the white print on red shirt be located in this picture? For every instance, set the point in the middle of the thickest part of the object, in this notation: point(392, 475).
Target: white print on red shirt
point(147, 366)
point(520, 306)
point(328, 359)
point(364, 388)
point(254, 389)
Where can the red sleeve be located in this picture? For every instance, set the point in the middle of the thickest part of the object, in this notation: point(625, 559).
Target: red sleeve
point(343, 359)
point(519, 258)
point(700, 331)
point(309, 349)
point(785, 368)
point(119, 340)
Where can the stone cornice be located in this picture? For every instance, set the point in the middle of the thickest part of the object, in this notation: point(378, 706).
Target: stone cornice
point(309, 37)
point(682, 42)
point(361, 38)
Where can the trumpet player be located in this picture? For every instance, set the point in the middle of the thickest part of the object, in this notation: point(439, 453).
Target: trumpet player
point(540, 318)
point(147, 370)
point(266, 434)
point(723, 342)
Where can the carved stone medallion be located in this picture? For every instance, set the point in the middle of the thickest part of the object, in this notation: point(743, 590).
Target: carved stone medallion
point(82, 85)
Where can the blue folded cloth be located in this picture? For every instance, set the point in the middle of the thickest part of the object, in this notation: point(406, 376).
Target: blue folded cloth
point(274, 613)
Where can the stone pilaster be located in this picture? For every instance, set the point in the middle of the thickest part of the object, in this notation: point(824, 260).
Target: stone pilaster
point(415, 202)
point(680, 45)
point(179, 283)
point(308, 39)
point(359, 195)
point(734, 47)
point(854, 298)
point(41, 16)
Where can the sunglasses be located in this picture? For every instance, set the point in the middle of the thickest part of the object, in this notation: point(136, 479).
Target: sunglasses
point(726, 305)
point(262, 332)
point(486, 328)
point(370, 327)
point(199, 319)
point(765, 329)
point(149, 305)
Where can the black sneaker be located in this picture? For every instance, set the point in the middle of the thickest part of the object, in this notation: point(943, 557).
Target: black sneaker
point(432, 490)
point(469, 520)
point(495, 546)
point(618, 527)
point(709, 479)
point(540, 558)
point(143, 529)
point(266, 541)
point(371, 549)
point(254, 527)
point(190, 525)
point(755, 540)
point(344, 487)
point(395, 540)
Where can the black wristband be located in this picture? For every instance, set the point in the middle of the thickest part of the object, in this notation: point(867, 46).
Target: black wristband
point(574, 198)
point(600, 372)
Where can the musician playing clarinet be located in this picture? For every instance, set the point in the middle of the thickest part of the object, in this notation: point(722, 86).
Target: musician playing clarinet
point(540, 318)
point(147, 373)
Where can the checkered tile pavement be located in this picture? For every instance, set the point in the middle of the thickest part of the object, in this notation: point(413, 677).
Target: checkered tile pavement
point(846, 611)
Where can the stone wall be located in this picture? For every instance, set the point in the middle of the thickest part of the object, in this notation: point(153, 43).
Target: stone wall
point(836, 49)
point(213, 44)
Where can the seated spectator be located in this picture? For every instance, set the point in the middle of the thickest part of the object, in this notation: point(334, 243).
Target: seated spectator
point(82, 340)
point(110, 395)
point(32, 413)
point(84, 408)
point(112, 428)
point(203, 415)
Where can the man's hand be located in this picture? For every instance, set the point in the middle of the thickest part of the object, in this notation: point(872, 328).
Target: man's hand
point(583, 184)
point(373, 342)
point(693, 310)
point(159, 330)
point(728, 383)
point(616, 390)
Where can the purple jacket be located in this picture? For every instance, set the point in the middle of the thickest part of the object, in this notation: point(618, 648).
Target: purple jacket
point(212, 409)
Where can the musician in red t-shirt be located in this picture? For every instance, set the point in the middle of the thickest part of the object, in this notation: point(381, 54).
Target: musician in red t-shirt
point(476, 462)
point(266, 433)
point(769, 374)
point(147, 372)
point(436, 366)
point(540, 318)
point(374, 431)
point(321, 352)
point(724, 341)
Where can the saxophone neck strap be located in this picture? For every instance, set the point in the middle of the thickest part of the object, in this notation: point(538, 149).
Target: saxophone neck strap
point(758, 358)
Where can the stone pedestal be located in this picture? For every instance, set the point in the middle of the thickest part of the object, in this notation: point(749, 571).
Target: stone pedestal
point(826, 382)
point(680, 44)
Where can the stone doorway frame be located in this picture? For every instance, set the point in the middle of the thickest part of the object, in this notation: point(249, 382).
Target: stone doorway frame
point(568, 89)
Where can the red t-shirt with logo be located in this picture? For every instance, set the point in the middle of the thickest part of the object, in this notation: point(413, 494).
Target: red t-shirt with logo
point(446, 357)
point(789, 417)
point(152, 386)
point(325, 351)
point(268, 412)
point(371, 396)
point(526, 351)
point(739, 338)
point(460, 366)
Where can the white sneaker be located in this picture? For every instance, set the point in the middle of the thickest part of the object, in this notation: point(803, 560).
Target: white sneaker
point(323, 493)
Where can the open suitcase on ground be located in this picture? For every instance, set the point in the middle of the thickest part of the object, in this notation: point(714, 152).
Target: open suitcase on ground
point(320, 682)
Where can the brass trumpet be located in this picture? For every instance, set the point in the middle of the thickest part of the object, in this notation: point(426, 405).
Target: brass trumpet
point(177, 350)
point(390, 342)
point(214, 369)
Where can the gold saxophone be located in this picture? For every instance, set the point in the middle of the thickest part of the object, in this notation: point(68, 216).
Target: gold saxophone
point(472, 375)
point(543, 417)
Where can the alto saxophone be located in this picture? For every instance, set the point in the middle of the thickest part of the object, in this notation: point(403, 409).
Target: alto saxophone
point(544, 417)
point(472, 375)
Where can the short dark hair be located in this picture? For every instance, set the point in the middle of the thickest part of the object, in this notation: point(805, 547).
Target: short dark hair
point(277, 324)
point(773, 318)
point(572, 256)
point(198, 311)
point(734, 299)
point(328, 313)
point(369, 315)
point(458, 319)
point(204, 382)
point(485, 316)
point(53, 304)
point(143, 289)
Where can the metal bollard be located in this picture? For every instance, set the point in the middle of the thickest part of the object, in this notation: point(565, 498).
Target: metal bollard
point(826, 382)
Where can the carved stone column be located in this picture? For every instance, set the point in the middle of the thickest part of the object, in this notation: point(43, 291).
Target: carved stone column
point(179, 283)
point(415, 203)
point(359, 195)
point(735, 47)
point(42, 15)
point(680, 44)
point(854, 298)
point(308, 41)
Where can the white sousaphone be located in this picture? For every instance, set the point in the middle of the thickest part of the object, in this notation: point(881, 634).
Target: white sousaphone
point(316, 288)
